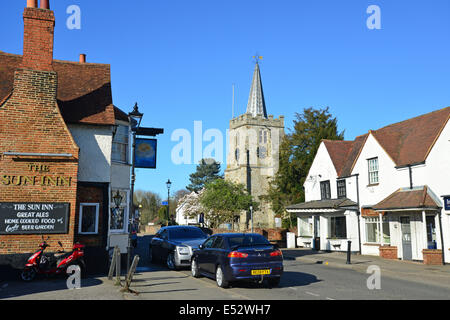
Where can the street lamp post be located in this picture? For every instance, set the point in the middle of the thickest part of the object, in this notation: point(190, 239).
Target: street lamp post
point(168, 183)
point(135, 119)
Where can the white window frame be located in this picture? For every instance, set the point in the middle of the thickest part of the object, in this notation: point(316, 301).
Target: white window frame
point(374, 170)
point(127, 145)
point(97, 212)
point(378, 235)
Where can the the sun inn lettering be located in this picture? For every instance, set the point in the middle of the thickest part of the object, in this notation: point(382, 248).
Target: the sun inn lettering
point(36, 180)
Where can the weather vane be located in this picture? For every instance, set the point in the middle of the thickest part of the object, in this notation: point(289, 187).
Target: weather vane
point(257, 57)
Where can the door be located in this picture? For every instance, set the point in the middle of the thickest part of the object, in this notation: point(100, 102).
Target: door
point(204, 255)
point(316, 233)
point(406, 238)
point(156, 245)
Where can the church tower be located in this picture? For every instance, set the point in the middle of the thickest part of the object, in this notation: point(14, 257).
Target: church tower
point(253, 156)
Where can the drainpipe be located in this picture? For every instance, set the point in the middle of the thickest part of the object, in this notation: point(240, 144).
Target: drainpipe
point(358, 213)
point(410, 176)
point(442, 236)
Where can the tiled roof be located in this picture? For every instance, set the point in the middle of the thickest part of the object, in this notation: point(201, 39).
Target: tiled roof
point(410, 141)
point(405, 198)
point(338, 151)
point(84, 89)
point(323, 204)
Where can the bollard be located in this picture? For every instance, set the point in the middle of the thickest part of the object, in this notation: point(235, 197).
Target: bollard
point(349, 248)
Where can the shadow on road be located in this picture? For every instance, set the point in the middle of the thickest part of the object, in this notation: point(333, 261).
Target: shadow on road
point(288, 279)
point(12, 289)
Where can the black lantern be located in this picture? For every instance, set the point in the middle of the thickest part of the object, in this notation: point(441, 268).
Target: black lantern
point(136, 116)
point(117, 198)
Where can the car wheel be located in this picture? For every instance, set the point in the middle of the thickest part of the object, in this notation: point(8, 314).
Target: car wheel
point(274, 282)
point(28, 274)
point(171, 261)
point(194, 269)
point(220, 278)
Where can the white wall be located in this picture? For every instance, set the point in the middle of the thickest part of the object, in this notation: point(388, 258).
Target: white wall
point(323, 166)
point(95, 152)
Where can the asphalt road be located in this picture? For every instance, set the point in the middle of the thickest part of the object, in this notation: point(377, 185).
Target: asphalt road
point(301, 281)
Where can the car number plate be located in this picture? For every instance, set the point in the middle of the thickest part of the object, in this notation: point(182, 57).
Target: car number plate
point(260, 272)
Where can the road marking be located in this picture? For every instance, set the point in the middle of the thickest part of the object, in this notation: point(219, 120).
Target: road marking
point(312, 294)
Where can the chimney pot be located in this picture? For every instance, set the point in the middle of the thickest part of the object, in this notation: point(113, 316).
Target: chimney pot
point(82, 58)
point(45, 4)
point(32, 3)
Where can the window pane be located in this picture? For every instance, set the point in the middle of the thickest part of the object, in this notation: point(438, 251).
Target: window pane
point(338, 228)
point(88, 219)
point(386, 233)
point(371, 231)
point(305, 227)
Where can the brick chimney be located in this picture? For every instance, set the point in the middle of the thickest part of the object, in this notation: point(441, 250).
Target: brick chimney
point(39, 27)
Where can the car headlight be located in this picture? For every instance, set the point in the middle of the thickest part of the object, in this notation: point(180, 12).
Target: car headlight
point(183, 250)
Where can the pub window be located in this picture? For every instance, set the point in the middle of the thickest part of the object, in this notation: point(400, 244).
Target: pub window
point(341, 189)
point(337, 227)
point(118, 215)
point(88, 218)
point(373, 171)
point(325, 190)
point(120, 144)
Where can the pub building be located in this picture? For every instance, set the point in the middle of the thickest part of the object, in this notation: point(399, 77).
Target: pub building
point(64, 150)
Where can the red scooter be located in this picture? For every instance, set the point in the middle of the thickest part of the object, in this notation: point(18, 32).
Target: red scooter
point(52, 264)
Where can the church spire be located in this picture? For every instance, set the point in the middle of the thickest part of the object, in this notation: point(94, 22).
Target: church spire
point(256, 104)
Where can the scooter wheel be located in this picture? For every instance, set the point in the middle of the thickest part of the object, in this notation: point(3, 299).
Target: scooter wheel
point(28, 274)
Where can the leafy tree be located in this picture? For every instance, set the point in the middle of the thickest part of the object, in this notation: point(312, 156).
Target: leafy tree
point(150, 202)
point(224, 200)
point(207, 171)
point(297, 152)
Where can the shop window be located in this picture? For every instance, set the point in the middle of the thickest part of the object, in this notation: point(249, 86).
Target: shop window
point(120, 145)
point(325, 190)
point(341, 189)
point(373, 234)
point(431, 232)
point(305, 227)
point(337, 227)
point(373, 171)
point(117, 220)
point(88, 218)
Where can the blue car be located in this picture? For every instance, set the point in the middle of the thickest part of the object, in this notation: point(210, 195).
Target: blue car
point(230, 257)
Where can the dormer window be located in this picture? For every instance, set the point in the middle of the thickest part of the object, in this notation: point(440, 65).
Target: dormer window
point(373, 171)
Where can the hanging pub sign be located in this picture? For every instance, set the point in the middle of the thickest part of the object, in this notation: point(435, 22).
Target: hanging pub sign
point(447, 203)
point(145, 153)
point(34, 218)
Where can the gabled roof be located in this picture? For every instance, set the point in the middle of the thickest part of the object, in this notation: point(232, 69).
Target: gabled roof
point(256, 103)
point(84, 89)
point(343, 154)
point(406, 198)
point(338, 151)
point(410, 141)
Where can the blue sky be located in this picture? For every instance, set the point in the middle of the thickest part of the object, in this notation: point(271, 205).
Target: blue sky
point(178, 59)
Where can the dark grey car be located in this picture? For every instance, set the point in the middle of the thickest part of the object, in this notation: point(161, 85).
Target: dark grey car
point(175, 245)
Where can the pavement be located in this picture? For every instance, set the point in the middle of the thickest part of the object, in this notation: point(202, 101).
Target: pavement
point(406, 270)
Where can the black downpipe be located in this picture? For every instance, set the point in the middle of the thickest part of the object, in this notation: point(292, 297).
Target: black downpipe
point(358, 213)
point(410, 177)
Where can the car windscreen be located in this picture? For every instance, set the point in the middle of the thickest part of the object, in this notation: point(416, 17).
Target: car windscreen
point(247, 240)
point(186, 233)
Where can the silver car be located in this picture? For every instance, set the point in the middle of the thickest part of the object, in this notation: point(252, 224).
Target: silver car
point(175, 245)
